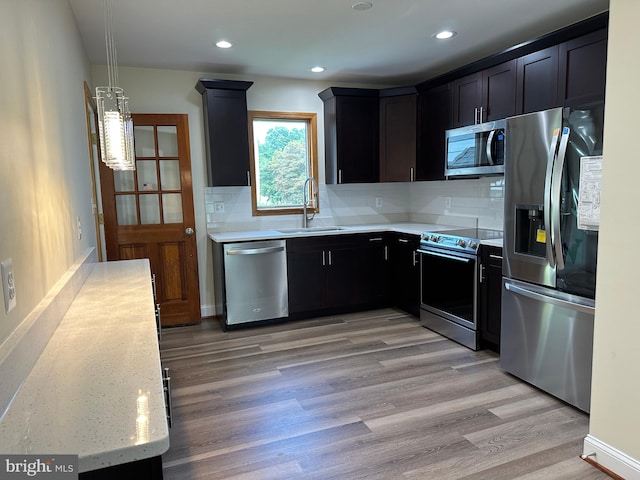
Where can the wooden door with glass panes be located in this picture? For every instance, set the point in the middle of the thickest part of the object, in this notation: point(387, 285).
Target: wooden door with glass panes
point(148, 213)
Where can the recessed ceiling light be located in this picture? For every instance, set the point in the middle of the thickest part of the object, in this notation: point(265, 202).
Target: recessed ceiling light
point(318, 69)
point(443, 35)
point(223, 44)
point(362, 6)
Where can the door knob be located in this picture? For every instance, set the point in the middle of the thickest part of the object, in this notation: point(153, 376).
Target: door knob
point(189, 231)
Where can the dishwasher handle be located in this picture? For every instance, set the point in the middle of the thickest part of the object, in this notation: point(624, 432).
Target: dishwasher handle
point(255, 251)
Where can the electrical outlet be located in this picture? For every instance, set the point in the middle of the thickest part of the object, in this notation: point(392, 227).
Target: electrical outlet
point(8, 285)
point(447, 202)
point(378, 202)
point(218, 207)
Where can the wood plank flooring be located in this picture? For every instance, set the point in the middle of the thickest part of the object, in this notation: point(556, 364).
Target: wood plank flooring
point(371, 395)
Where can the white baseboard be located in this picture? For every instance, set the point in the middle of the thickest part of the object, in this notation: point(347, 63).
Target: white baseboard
point(609, 457)
point(208, 310)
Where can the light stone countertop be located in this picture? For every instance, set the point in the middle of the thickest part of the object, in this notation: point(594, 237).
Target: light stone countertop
point(496, 242)
point(413, 228)
point(407, 227)
point(83, 395)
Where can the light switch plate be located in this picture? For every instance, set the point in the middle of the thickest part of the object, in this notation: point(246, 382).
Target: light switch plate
point(8, 285)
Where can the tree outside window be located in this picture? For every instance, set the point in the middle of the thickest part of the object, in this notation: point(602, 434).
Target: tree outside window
point(283, 155)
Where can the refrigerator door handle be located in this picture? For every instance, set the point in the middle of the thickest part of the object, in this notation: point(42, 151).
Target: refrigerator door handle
point(525, 292)
point(556, 185)
point(547, 196)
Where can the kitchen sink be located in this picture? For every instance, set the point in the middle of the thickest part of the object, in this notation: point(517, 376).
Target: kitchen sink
point(319, 228)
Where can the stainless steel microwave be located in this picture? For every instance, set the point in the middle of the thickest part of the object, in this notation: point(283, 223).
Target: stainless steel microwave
point(475, 150)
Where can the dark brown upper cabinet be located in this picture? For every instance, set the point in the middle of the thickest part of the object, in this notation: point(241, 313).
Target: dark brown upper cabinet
point(582, 69)
point(226, 131)
point(484, 96)
point(351, 135)
point(398, 116)
point(434, 118)
point(537, 86)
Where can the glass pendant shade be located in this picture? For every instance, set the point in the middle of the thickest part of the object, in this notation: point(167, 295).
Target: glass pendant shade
point(115, 125)
point(115, 128)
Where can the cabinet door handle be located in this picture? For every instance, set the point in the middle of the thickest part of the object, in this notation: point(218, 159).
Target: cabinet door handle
point(415, 258)
point(166, 384)
point(497, 257)
point(324, 262)
point(330, 259)
point(412, 177)
point(248, 178)
point(153, 285)
point(386, 252)
point(375, 239)
point(403, 240)
point(158, 322)
point(481, 114)
point(339, 176)
point(481, 273)
point(475, 115)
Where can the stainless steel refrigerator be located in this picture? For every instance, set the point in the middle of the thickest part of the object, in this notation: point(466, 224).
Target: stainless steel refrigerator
point(550, 250)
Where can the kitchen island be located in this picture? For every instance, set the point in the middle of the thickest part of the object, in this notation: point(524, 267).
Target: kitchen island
point(96, 390)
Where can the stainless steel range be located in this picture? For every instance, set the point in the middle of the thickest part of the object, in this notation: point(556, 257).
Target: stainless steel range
point(449, 281)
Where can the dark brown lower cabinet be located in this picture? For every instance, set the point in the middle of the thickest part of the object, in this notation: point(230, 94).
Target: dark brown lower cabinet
point(490, 303)
point(150, 468)
point(326, 274)
point(404, 272)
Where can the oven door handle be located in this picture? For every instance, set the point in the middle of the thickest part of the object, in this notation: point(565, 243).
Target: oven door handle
point(444, 255)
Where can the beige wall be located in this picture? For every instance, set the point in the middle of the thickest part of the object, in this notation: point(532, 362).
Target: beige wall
point(170, 91)
point(44, 160)
point(615, 419)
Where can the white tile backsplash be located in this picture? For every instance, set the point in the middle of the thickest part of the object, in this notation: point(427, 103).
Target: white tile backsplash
point(473, 202)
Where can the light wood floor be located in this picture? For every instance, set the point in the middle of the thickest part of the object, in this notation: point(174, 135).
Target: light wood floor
point(371, 395)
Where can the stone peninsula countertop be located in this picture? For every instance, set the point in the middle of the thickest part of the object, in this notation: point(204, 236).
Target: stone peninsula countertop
point(96, 390)
point(272, 234)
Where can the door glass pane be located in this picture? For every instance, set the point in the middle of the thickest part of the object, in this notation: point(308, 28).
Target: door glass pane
point(147, 176)
point(126, 209)
point(167, 141)
point(172, 207)
point(143, 141)
point(149, 209)
point(170, 174)
point(123, 180)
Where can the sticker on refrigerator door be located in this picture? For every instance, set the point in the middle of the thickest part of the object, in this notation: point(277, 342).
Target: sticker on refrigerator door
point(541, 236)
point(589, 195)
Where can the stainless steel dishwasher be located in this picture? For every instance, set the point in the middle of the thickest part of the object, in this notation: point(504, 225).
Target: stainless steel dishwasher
point(255, 276)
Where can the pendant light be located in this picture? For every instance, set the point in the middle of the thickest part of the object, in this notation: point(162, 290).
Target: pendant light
point(115, 125)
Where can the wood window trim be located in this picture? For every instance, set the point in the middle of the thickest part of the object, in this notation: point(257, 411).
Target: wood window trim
point(312, 150)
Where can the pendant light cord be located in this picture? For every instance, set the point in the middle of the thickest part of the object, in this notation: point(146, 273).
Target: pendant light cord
point(112, 57)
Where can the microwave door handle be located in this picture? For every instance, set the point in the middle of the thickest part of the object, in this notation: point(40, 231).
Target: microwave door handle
point(489, 147)
point(556, 185)
point(547, 196)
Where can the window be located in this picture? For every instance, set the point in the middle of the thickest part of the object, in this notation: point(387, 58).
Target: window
point(283, 155)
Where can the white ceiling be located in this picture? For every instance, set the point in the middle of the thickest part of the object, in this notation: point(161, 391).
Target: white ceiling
point(389, 44)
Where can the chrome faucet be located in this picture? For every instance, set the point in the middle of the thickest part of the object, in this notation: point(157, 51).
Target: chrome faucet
point(305, 200)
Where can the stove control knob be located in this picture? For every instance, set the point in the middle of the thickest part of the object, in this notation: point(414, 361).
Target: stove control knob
point(434, 238)
point(461, 243)
point(473, 244)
